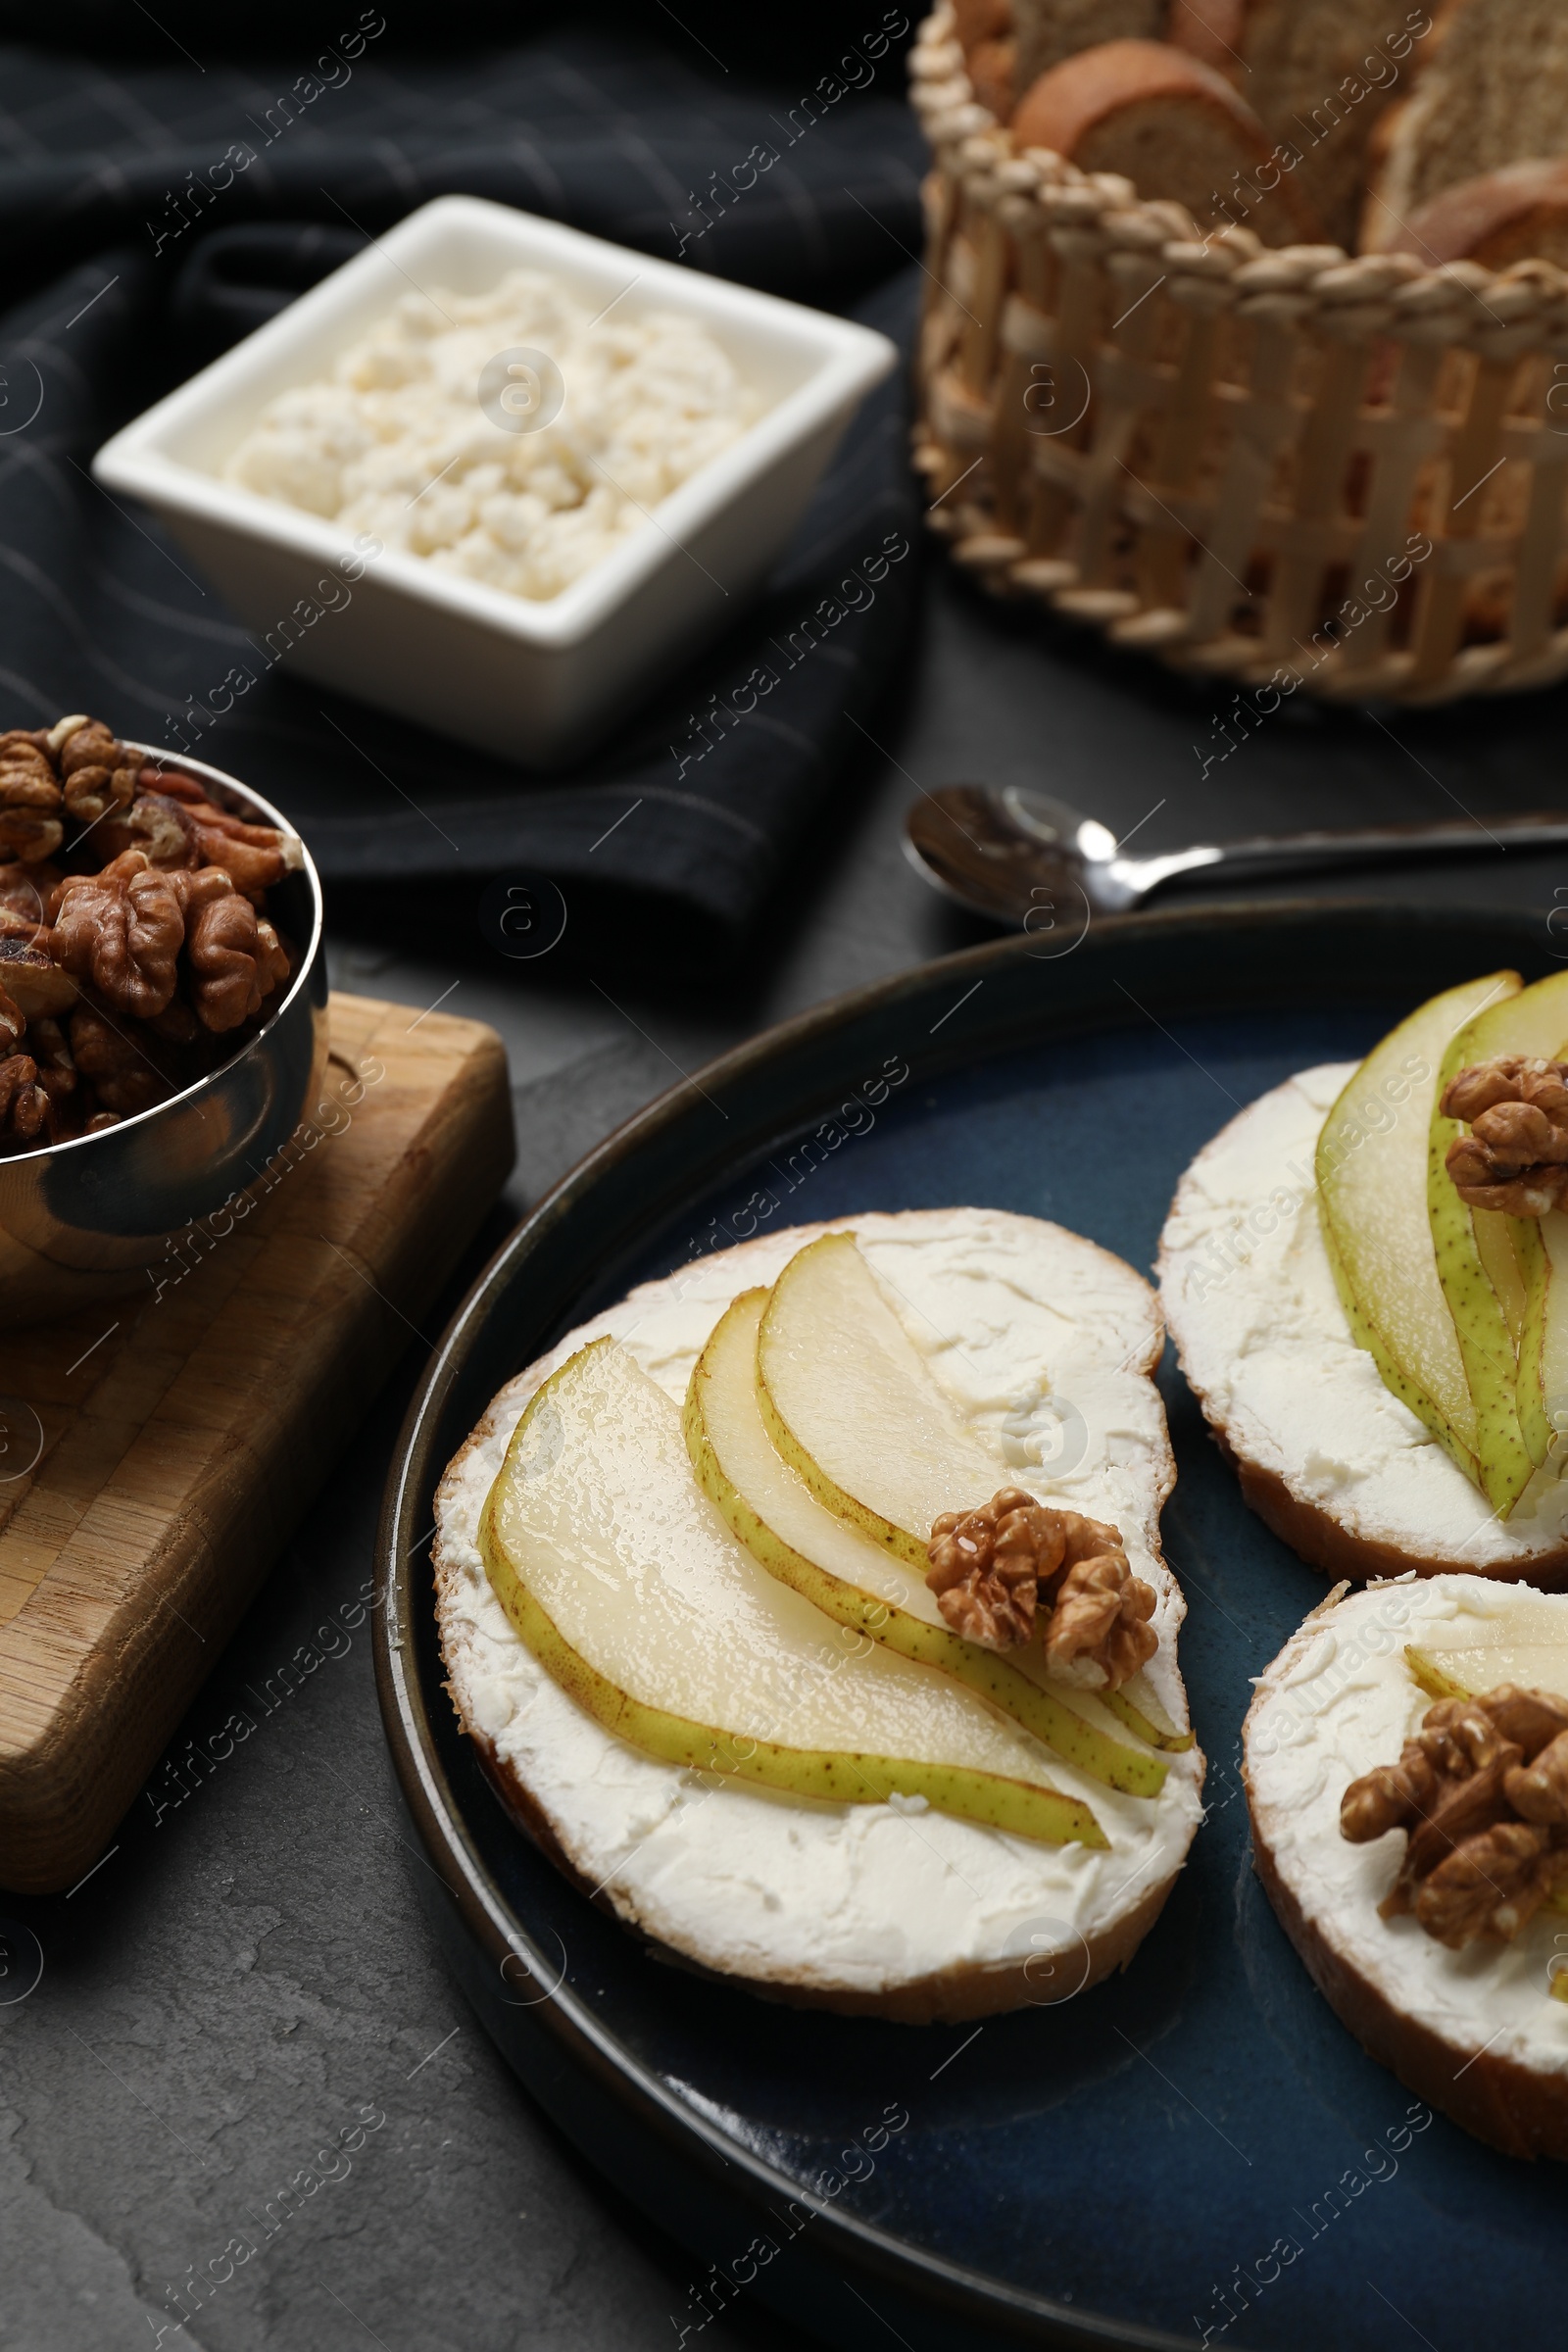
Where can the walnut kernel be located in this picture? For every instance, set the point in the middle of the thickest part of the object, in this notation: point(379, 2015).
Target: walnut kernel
point(96, 771)
point(23, 1105)
point(123, 930)
point(1481, 1793)
point(1015, 1567)
point(235, 957)
point(1515, 1156)
point(30, 798)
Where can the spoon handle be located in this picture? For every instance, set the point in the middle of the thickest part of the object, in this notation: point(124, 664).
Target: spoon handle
point(1285, 852)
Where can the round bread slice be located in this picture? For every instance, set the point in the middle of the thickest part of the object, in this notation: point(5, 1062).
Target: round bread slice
point(1317, 76)
point(1051, 31)
point(1049, 1344)
point(1497, 218)
point(1171, 125)
point(1326, 1456)
point(1476, 2034)
point(1491, 89)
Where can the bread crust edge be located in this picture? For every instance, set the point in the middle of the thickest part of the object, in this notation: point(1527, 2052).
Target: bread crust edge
point(1463, 222)
point(1323, 1541)
point(952, 1997)
point(1079, 93)
point(1514, 2108)
point(1060, 107)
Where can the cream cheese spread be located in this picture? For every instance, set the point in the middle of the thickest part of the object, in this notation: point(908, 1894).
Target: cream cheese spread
point(1339, 1700)
point(1047, 1343)
point(1250, 1297)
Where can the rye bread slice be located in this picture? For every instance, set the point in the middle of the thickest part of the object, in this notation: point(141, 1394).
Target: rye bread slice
point(1492, 90)
point(1051, 31)
point(1318, 74)
point(1519, 214)
point(1172, 126)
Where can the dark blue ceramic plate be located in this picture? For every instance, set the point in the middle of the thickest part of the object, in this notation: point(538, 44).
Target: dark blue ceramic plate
point(1195, 2152)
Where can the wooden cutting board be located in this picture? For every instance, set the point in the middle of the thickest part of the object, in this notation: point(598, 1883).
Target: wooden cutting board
point(156, 1452)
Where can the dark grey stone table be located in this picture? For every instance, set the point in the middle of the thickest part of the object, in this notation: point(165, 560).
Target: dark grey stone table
point(245, 1996)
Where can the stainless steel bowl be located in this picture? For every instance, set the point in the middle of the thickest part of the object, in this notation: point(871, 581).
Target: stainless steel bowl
point(96, 1218)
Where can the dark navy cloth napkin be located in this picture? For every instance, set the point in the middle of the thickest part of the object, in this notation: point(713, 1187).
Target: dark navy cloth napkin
point(134, 246)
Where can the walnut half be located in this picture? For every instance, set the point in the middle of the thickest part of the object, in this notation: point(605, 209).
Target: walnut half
point(1014, 1568)
point(1515, 1157)
point(30, 798)
point(96, 771)
point(236, 958)
point(122, 931)
point(1482, 1793)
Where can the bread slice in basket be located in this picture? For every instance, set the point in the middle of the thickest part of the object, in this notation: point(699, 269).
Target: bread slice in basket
point(1519, 214)
point(1456, 1986)
point(1167, 122)
point(1051, 31)
point(1043, 1343)
point(1317, 74)
point(1492, 90)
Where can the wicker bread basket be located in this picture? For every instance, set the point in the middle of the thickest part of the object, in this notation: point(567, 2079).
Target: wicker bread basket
point(1284, 469)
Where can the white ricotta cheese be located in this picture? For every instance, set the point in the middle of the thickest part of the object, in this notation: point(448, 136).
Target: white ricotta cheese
point(1339, 1700)
point(396, 442)
point(1251, 1302)
point(1046, 1342)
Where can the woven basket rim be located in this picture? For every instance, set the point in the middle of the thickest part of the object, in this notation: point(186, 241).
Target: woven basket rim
point(1325, 286)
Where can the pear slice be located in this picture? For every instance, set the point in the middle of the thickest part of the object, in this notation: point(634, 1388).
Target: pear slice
point(1391, 1372)
point(844, 1573)
point(1501, 1263)
point(628, 1588)
point(1531, 1248)
point(1475, 1250)
point(1428, 1676)
point(1372, 1191)
point(1135, 1705)
point(1524, 1643)
point(848, 1402)
point(1541, 1244)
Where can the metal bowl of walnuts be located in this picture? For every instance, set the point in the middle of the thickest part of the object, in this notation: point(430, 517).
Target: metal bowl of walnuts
point(163, 1008)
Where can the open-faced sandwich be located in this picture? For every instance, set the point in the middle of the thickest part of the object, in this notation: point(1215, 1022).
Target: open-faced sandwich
point(1406, 1764)
point(809, 1608)
point(1366, 1277)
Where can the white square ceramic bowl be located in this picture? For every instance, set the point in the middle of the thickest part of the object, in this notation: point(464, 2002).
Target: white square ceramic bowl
point(534, 682)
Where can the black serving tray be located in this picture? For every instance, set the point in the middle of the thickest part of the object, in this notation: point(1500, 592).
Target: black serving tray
point(1132, 2168)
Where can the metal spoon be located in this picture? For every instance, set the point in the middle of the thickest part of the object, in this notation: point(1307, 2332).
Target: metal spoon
point(1006, 852)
